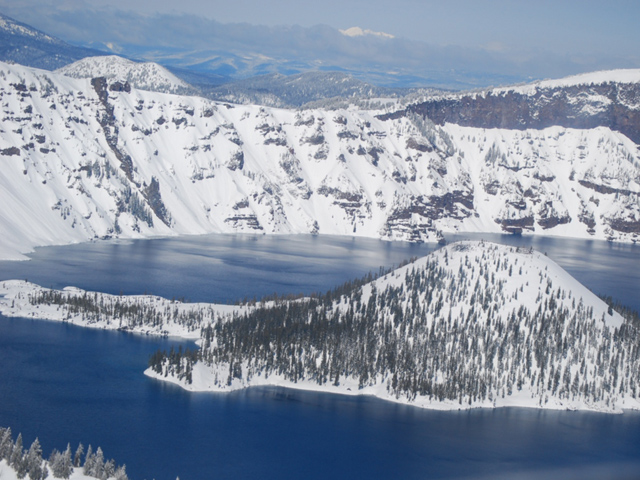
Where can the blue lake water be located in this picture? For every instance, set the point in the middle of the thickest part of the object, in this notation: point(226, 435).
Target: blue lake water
point(226, 268)
point(67, 384)
point(212, 268)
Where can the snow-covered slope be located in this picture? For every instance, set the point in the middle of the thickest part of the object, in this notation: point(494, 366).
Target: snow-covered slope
point(84, 159)
point(8, 473)
point(18, 463)
point(473, 324)
point(145, 76)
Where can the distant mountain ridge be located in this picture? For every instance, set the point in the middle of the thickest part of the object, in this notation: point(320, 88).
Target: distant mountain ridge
point(28, 46)
point(609, 98)
point(279, 90)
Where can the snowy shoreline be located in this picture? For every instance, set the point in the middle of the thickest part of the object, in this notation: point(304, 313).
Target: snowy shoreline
point(350, 388)
point(15, 302)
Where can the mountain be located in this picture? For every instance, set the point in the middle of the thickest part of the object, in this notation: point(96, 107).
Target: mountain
point(26, 45)
point(85, 159)
point(242, 51)
point(287, 91)
point(609, 98)
point(145, 76)
point(473, 324)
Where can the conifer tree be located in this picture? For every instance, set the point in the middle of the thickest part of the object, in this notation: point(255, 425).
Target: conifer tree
point(34, 461)
point(6, 444)
point(77, 459)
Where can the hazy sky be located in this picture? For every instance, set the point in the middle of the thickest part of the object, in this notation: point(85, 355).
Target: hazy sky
point(574, 26)
point(529, 38)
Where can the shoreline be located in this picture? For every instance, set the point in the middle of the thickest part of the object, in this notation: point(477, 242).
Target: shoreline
point(11, 255)
point(305, 386)
point(152, 315)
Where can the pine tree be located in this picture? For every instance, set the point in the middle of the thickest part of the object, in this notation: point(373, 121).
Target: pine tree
point(87, 468)
point(60, 463)
point(6, 444)
point(109, 470)
point(34, 460)
point(17, 458)
point(67, 469)
point(98, 464)
point(121, 473)
point(77, 459)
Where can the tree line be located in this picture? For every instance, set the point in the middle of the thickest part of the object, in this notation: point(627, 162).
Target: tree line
point(30, 462)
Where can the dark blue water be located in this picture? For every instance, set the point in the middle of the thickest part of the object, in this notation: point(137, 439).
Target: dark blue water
point(212, 268)
point(67, 384)
point(227, 268)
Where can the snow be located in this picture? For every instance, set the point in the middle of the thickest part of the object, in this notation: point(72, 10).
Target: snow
point(359, 32)
point(301, 172)
point(15, 28)
point(591, 78)
point(8, 473)
point(15, 295)
point(531, 272)
point(525, 279)
point(145, 76)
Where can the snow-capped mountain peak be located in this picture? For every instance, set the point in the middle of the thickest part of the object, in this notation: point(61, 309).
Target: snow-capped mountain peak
point(361, 32)
point(144, 76)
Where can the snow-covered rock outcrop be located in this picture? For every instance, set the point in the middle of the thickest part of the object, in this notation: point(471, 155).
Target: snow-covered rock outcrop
point(608, 98)
point(144, 76)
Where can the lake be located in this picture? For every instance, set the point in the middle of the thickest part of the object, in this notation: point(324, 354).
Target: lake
point(67, 384)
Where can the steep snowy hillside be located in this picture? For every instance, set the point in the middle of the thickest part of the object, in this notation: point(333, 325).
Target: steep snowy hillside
point(86, 159)
point(473, 324)
point(145, 76)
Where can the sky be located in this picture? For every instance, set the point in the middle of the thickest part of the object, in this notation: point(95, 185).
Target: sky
point(521, 39)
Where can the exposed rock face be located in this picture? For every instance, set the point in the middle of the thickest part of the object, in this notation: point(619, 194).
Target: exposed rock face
point(614, 105)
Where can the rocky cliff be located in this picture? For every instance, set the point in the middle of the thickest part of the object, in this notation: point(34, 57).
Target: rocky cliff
point(95, 158)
